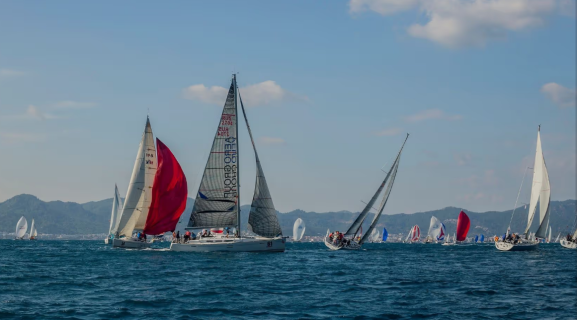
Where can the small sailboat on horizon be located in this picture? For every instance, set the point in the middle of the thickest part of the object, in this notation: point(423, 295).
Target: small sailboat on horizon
point(298, 230)
point(21, 228)
point(33, 232)
point(414, 235)
point(117, 206)
point(569, 241)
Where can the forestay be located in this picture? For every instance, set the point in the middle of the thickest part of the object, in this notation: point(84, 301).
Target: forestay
point(138, 196)
point(216, 203)
point(262, 218)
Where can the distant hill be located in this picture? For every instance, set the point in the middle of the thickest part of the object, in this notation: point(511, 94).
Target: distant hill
point(57, 217)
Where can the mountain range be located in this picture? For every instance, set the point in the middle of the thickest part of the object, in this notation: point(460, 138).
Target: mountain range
point(57, 217)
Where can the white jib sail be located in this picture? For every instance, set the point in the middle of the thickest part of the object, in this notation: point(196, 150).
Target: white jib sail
point(32, 230)
point(116, 211)
point(139, 194)
point(540, 191)
point(21, 227)
point(298, 229)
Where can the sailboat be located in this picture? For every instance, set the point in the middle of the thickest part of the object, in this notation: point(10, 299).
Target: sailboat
point(385, 234)
point(298, 230)
point(569, 242)
point(139, 194)
point(482, 238)
point(463, 225)
point(476, 238)
point(350, 241)
point(540, 193)
point(435, 230)
point(414, 234)
point(21, 228)
point(217, 204)
point(549, 236)
point(33, 232)
point(375, 236)
point(114, 216)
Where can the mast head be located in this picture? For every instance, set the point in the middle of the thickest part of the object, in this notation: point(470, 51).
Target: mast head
point(539, 129)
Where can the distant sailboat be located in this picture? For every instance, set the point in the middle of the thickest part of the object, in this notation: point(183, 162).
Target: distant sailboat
point(21, 228)
point(463, 225)
point(436, 231)
point(385, 234)
point(33, 232)
point(414, 234)
point(298, 230)
point(139, 194)
point(476, 238)
point(375, 236)
point(570, 241)
point(540, 194)
point(217, 204)
point(114, 216)
point(549, 236)
point(482, 239)
point(350, 240)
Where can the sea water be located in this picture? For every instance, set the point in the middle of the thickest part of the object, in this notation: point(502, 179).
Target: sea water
point(91, 280)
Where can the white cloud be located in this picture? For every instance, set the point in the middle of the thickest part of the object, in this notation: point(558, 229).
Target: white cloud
point(10, 73)
point(272, 141)
point(67, 104)
point(35, 113)
point(431, 114)
point(562, 96)
point(388, 132)
point(263, 93)
point(15, 137)
point(457, 23)
point(463, 159)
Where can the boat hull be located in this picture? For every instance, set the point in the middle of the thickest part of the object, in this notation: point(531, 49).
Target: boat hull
point(130, 244)
point(351, 246)
point(507, 246)
point(231, 245)
point(567, 244)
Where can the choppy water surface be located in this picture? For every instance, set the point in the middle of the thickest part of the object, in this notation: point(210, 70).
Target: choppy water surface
point(90, 280)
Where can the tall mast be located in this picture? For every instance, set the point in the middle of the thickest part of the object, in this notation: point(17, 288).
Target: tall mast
point(237, 159)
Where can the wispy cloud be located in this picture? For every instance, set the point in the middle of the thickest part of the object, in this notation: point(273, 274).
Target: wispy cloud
point(5, 73)
point(388, 132)
point(32, 112)
point(263, 93)
point(432, 114)
point(560, 95)
point(17, 137)
point(463, 159)
point(455, 23)
point(271, 141)
point(68, 104)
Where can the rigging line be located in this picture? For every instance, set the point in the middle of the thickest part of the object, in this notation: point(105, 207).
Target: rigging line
point(518, 194)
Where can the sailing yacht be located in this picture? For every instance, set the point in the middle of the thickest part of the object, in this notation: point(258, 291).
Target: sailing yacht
point(414, 235)
point(298, 230)
point(114, 216)
point(217, 204)
point(139, 194)
point(21, 228)
point(569, 242)
point(385, 235)
point(351, 240)
point(33, 232)
point(540, 193)
point(436, 231)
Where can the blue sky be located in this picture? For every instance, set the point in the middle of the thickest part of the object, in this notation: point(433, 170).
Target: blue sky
point(331, 86)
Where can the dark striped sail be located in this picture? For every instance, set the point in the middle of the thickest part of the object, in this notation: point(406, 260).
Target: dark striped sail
point(215, 205)
point(262, 219)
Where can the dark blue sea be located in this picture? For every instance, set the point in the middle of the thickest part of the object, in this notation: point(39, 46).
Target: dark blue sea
point(90, 280)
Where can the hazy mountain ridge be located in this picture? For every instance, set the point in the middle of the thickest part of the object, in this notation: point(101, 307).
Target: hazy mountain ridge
point(57, 217)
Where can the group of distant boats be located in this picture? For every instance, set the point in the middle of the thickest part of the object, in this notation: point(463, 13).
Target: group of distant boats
point(22, 230)
point(157, 195)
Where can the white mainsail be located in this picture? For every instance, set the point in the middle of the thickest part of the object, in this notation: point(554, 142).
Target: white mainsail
point(21, 228)
point(139, 192)
point(540, 192)
point(298, 229)
point(33, 232)
point(549, 237)
point(116, 211)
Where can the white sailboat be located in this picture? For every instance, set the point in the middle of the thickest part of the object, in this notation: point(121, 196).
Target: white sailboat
point(114, 215)
point(448, 241)
point(540, 194)
point(375, 236)
point(33, 232)
point(350, 239)
point(436, 231)
point(21, 228)
point(414, 235)
point(139, 194)
point(217, 204)
point(298, 230)
point(549, 236)
point(570, 241)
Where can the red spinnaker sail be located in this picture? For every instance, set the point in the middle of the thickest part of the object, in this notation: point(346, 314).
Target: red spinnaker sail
point(463, 224)
point(169, 193)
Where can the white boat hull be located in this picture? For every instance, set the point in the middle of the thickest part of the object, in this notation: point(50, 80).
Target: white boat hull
point(523, 246)
point(130, 244)
point(567, 244)
point(231, 244)
point(351, 246)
